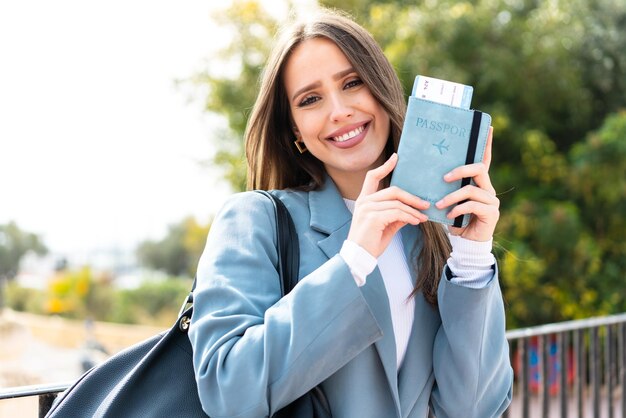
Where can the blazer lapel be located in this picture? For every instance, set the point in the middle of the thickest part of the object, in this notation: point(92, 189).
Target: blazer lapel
point(376, 297)
point(330, 215)
point(414, 374)
point(410, 234)
point(415, 370)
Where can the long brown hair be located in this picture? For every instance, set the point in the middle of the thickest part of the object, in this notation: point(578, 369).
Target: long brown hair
point(271, 154)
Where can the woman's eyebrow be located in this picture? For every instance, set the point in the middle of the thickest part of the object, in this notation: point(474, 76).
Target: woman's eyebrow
point(305, 88)
point(343, 73)
point(317, 84)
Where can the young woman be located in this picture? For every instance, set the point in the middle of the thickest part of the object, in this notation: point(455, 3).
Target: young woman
point(392, 314)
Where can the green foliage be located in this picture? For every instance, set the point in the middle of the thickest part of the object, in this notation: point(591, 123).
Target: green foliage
point(598, 176)
point(178, 252)
point(232, 92)
point(22, 299)
point(553, 77)
point(153, 303)
point(79, 294)
point(14, 244)
point(598, 186)
point(565, 256)
point(539, 65)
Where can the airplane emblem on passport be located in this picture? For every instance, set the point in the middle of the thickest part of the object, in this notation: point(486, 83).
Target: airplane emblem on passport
point(440, 146)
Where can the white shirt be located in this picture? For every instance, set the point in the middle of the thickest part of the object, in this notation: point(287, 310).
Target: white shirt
point(470, 263)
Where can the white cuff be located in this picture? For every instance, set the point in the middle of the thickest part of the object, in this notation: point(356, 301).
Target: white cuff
point(471, 262)
point(359, 261)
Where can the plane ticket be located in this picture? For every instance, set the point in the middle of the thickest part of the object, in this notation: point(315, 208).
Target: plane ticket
point(442, 91)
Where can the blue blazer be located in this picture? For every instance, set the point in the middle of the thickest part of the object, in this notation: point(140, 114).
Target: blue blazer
point(255, 352)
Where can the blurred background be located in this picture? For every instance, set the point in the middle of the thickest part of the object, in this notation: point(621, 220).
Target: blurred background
point(121, 128)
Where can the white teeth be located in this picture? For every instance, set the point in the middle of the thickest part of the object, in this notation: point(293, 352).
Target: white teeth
point(350, 134)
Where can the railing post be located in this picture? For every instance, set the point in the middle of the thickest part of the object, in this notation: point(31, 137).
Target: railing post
point(580, 370)
point(45, 403)
point(594, 368)
point(608, 368)
point(513, 350)
point(524, 360)
point(543, 345)
point(563, 343)
point(622, 365)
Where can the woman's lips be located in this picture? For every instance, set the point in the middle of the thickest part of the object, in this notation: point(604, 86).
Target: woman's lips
point(350, 138)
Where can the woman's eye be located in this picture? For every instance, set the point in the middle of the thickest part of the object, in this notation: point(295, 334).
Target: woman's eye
point(308, 101)
point(353, 83)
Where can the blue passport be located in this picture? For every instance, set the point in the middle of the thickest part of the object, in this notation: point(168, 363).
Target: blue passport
point(437, 138)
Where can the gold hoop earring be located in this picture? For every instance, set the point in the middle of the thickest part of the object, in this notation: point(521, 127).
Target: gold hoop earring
point(300, 145)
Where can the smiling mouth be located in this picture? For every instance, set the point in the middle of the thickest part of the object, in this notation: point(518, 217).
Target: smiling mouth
point(349, 135)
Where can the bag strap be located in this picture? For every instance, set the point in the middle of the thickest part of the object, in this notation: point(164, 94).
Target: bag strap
point(287, 245)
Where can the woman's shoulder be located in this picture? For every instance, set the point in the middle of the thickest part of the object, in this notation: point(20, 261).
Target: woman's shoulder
point(292, 197)
point(253, 197)
point(253, 203)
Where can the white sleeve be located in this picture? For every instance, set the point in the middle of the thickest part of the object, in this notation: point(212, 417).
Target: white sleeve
point(471, 262)
point(359, 261)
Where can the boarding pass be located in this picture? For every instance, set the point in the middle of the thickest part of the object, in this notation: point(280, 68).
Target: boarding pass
point(442, 91)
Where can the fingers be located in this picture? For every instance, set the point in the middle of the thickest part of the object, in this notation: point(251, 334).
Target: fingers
point(396, 193)
point(392, 198)
point(385, 218)
point(375, 222)
point(469, 192)
point(483, 207)
point(477, 200)
point(375, 176)
point(379, 214)
point(479, 172)
point(487, 157)
point(392, 209)
point(373, 200)
point(487, 214)
point(471, 200)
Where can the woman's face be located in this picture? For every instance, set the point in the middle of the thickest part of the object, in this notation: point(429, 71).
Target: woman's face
point(334, 113)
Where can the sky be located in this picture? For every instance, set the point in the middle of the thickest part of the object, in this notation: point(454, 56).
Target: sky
point(99, 148)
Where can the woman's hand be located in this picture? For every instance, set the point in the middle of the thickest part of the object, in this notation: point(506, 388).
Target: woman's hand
point(379, 214)
point(481, 201)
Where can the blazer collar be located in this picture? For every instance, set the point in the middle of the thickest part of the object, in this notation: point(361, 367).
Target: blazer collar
point(328, 210)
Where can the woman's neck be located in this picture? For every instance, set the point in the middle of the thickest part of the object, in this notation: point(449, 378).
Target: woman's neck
point(350, 183)
point(349, 186)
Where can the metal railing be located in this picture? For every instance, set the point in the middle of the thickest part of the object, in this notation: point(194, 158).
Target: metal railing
point(568, 369)
point(46, 393)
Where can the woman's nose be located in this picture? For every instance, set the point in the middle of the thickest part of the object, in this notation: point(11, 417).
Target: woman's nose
point(341, 108)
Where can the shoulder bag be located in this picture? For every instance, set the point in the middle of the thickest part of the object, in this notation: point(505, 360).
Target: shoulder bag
point(155, 378)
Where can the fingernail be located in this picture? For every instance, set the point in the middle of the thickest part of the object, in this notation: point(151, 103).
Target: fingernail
point(438, 204)
point(447, 176)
